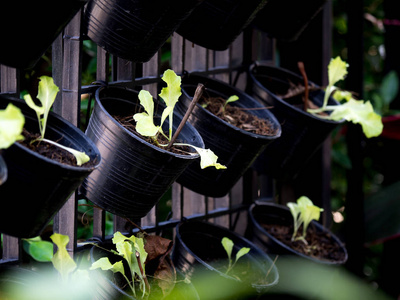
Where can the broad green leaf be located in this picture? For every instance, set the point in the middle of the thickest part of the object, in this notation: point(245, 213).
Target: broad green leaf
point(144, 120)
point(337, 70)
point(81, 157)
point(61, 260)
point(105, 264)
point(172, 92)
point(170, 95)
point(40, 250)
point(241, 252)
point(228, 246)
point(11, 124)
point(207, 158)
point(361, 113)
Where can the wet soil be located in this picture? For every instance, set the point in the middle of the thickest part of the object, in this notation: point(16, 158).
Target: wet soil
point(237, 116)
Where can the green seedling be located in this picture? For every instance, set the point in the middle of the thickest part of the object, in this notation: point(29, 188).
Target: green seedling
point(132, 251)
point(229, 100)
point(145, 122)
point(228, 246)
point(46, 95)
point(11, 124)
point(356, 111)
point(303, 212)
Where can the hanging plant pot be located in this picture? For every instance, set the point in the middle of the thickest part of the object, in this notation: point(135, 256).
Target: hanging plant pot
point(134, 30)
point(198, 253)
point(302, 132)
point(215, 24)
point(236, 147)
point(37, 186)
point(3, 170)
point(29, 28)
point(134, 174)
point(286, 19)
point(270, 227)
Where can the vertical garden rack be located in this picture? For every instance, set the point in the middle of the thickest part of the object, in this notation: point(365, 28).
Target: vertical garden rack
point(225, 65)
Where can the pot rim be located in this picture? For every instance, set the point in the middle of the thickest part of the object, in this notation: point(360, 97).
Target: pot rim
point(192, 156)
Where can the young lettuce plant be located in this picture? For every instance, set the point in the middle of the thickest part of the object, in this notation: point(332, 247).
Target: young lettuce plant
point(132, 251)
point(229, 100)
point(47, 94)
point(228, 246)
point(356, 111)
point(145, 123)
point(303, 212)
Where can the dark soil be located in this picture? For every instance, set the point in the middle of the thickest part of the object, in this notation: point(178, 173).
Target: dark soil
point(237, 116)
point(320, 245)
point(129, 123)
point(49, 150)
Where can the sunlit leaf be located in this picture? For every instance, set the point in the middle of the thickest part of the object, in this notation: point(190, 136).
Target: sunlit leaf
point(61, 260)
point(241, 252)
point(228, 246)
point(11, 124)
point(337, 70)
point(40, 250)
point(208, 158)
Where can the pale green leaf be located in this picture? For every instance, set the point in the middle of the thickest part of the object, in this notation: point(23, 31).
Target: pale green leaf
point(340, 95)
point(81, 157)
point(228, 246)
point(11, 124)
point(145, 125)
point(337, 70)
point(105, 264)
point(232, 99)
point(207, 158)
point(61, 260)
point(39, 109)
point(40, 250)
point(146, 100)
point(361, 113)
point(241, 252)
point(167, 111)
point(172, 92)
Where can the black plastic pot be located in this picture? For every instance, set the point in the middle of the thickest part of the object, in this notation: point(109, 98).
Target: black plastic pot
point(37, 187)
point(237, 149)
point(28, 28)
point(287, 19)
point(134, 29)
point(199, 254)
point(134, 174)
point(215, 24)
point(302, 132)
point(270, 213)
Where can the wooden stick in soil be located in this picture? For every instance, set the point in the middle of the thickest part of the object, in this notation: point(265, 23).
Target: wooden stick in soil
point(300, 64)
point(197, 95)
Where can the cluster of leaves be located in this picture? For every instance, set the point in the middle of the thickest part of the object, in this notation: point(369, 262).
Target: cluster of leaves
point(145, 123)
point(228, 246)
point(356, 111)
point(303, 212)
point(132, 251)
point(47, 94)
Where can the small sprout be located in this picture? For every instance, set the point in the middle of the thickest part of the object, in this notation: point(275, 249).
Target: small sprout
point(229, 100)
point(228, 246)
point(356, 111)
point(303, 212)
point(11, 124)
point(47, 94)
